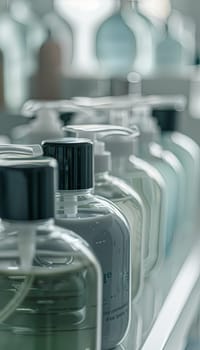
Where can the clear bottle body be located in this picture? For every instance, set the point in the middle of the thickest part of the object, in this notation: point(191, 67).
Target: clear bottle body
point(55, 298)
point(131, 206)
point(106, 230)
point(188, 153)
point(172, 172)
point(149, 185)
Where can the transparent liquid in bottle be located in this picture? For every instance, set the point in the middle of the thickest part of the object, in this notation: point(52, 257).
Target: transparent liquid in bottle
point(110, 240)
point(56, 311)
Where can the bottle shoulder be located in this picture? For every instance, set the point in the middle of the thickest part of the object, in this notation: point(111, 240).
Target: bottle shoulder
point(115, 189)
point(147, 170)
point(184, 142)
point(116, 23)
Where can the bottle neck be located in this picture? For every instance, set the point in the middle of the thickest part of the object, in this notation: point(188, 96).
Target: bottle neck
point(67, 202)
point(101, 175)
point(119, 164)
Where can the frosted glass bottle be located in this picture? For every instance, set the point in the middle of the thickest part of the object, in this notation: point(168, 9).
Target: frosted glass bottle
point(115, 44)
point(167, 111)
point(50, 281)
point(13, 54)
point(183, 29)
point(170, 53)
point(142, 30)
point(101, 224)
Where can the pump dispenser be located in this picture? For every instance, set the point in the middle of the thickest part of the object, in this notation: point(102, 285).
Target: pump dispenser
point(47, 124)
point(101, 224)
point(168, 110)
point(50, 281)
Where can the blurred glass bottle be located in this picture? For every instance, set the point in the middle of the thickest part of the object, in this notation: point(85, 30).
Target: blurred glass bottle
point(167, 110)
point(13, 75)
point(54, 55)
point(116, 44)
point(50, 280)
point(176, 48)
point(34, 31)
point(184, 30)
point(142, 28)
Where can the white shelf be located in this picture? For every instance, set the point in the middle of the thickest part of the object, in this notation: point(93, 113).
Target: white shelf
point(178, 311)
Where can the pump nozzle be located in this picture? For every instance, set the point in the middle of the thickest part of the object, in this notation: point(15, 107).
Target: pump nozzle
point(99, 133)
point(20, 151)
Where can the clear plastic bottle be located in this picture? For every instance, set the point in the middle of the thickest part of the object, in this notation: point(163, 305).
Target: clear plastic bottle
point(118, 192)
point(116, 44)
point(101, 224)
point(127, 200)
point(50, 280)
point(167, 110)
point(167, 164)
point(13, 55)
point(148, 183)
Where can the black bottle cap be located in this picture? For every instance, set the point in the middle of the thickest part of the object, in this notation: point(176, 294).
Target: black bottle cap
point(75, 162)
point(27, 189)
point(167, 118)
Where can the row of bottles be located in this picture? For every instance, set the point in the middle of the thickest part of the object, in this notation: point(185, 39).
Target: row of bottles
point(124, 187)
point(34, 52)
